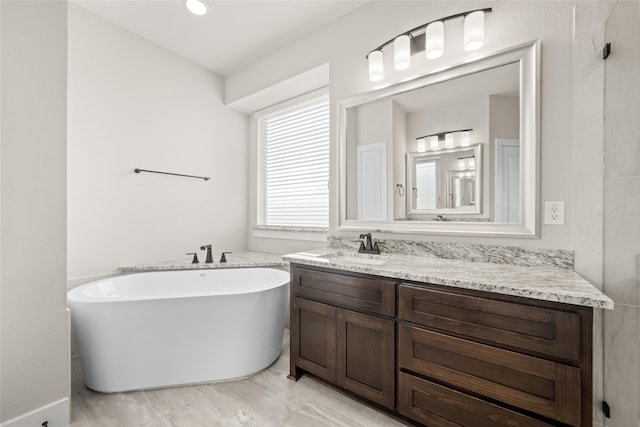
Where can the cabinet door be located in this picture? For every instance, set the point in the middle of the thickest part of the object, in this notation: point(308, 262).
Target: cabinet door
point(313, 338)
point(366, 356)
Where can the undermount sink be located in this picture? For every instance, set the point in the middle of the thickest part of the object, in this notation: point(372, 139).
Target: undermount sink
point(357, 258)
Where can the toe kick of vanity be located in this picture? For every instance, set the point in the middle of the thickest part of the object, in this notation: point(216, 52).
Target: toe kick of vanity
point(437, 355)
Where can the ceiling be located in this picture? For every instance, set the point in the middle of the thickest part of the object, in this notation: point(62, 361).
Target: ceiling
point(231, 35)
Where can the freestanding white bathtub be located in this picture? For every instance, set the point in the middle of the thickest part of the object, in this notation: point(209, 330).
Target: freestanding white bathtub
point(159, 329)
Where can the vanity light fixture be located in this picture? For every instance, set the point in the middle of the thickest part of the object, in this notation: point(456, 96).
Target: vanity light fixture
point(447, 138)
point(428, 37)
point(466, 163)
point(434, 142)
point(402, 52)
point(376, 67)
point(434, 40)
point(474, 31)
point(465, 138)
point(197, 7)
point(422, 145)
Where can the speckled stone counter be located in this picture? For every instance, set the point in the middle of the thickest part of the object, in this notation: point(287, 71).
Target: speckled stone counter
point(548, 283)
point(235, 259)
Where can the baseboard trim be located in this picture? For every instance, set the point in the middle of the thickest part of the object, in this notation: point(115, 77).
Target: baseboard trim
point(56, 413)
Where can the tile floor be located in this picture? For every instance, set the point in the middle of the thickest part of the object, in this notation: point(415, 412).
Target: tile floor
point(266, 399)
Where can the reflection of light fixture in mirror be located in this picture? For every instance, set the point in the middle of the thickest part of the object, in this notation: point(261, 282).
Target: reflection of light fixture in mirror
point(428, 37)
point(197, 7)
point(474, 31)
point(434, 40)
point(376, 67)
point(434, 142)
point(447, 136)
point(402, 52)
point(466, 163)
point(422, 145)
point(448, 140)
point(465, 138)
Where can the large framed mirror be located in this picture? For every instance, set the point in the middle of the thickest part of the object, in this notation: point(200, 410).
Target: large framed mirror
point(455, 151)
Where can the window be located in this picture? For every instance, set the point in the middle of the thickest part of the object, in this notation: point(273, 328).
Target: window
point(426, 185)
point(293, 163)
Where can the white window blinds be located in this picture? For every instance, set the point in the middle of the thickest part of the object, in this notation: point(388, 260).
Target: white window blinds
point(293, 165)
point(426, 185)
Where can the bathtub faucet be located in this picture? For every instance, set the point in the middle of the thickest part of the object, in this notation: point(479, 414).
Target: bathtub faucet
point(209, 259)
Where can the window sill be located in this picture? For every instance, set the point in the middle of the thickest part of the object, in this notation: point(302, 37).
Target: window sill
point(291, 233)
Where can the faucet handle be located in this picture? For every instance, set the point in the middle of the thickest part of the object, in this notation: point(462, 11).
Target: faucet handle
point(223, 257)
point(195, 257)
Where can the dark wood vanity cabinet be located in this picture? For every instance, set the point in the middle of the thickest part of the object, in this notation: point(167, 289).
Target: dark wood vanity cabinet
point(464, 357)
point(343, 331)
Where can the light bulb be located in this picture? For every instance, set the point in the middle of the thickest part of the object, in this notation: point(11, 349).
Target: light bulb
point(434, 40)
point(376, 67)
point(448, 140)
point(434, 143)
point(474, 31)
point(465, 138)
point(197, 7)
point(402, 52)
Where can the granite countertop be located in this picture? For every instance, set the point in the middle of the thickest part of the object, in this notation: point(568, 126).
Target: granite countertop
point(548, 283)
point(235, 259)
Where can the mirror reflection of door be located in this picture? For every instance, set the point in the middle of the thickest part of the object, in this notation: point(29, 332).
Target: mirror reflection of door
point(507, 180)
point(372, 182)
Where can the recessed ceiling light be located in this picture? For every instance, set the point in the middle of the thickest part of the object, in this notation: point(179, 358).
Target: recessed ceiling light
point(197, 7)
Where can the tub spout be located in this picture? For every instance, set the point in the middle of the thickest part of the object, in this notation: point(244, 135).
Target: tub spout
point(209, 259)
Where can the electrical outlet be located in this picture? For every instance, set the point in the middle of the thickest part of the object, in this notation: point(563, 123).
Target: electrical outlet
point(554, 213)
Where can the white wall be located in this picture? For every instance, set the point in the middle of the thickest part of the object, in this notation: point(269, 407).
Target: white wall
point(134, 105)
point(345, 43)
point(35, 347)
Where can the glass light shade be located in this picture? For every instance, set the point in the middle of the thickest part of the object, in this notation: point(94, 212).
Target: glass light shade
point(465, 139)
point(197, 7)
point(376, 67)
point(422, 145)
point(434, 40)
point(472, 163)
point(461, 164)
point(402, 52)
point(474, 31)
point(434, 143)
point(448, 140)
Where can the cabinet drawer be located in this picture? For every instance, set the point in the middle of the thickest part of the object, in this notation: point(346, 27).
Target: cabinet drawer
point(374, 295)
point(533, 384)
point(438, 406)
point(536, 331)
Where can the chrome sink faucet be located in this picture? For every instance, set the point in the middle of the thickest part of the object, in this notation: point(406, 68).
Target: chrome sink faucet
point(209, 259)
point(367, 246)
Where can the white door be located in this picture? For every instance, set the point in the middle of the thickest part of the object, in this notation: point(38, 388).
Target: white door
point(372, 182)
point(507, 180)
